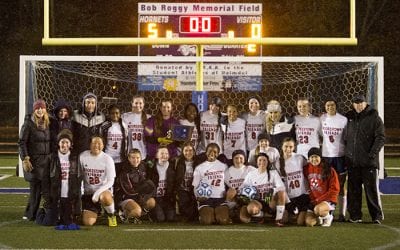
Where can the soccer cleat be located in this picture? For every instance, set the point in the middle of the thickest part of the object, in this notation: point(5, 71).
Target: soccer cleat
point(328, 221)
point(355, 220)
point(112, 221)
point(279, 223)
point(122, 217)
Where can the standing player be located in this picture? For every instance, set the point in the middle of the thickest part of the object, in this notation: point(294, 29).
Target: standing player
point(98, 172)
point(212, 172)
point(114, 133)
point(333, 127)
point(86, 123)
point(210, 125)
point(192, 118)
point(271, 193)
point(324, 189)
point(255, 122)
point(308, 128)
point(62, 119)
point(136, 121)
point(291, 171)
point(277, 125)
point(234, 133)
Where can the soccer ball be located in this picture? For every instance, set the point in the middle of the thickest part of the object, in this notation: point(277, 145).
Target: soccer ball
point(249, 192)
point(203, 190)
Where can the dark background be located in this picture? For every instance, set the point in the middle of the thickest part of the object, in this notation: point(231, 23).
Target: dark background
point(21, 29)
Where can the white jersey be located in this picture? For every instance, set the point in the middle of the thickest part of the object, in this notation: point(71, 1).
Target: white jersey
point(234, 137)
point(234, 177)
point(114, 142)
point(195, 133)
point(308, 130)
point(212, 173)
point(294, 181)
point(273, 155)
point(96, 170)
point(135, 132)
point(210, 131)
point(332, 135)
point(261, 182)
point(65, 166)
point(162, 180)
point(255, 125)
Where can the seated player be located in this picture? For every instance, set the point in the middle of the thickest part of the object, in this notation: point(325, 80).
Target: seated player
point(212, 172)
point(270, 190)
point(264, 147)
point(133, 192)
point(98, 172)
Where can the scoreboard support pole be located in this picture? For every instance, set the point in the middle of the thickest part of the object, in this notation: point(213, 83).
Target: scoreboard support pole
point(199, 97)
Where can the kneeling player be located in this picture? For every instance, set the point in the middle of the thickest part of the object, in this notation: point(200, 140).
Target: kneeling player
point(212, 173)
point(98, 178)
point(133, 193)
point(271, 193)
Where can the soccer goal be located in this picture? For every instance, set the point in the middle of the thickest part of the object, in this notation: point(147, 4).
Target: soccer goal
point(116, 79)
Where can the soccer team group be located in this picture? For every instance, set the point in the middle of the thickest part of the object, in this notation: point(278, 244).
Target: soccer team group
point(255, 167)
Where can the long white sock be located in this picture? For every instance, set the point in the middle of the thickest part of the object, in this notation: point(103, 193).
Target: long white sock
point(343, 204)
point(110, 209)
point(279, 212)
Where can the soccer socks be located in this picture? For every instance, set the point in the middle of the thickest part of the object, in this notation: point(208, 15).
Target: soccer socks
point(110, 209)
point(342, 200)
point(279, 212)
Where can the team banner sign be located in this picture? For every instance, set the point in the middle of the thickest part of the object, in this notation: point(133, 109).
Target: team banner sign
point(199, 20)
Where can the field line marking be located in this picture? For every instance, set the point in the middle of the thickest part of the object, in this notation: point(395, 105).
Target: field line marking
point(4, 176)
point(6, 223)
point(194, 229)
point(391, 244)
point(7, 167)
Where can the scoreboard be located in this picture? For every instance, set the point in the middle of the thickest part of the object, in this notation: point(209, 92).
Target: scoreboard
point(193, 20)
point(199, 20)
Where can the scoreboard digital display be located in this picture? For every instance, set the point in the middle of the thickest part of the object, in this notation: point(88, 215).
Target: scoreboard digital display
point(199, 20)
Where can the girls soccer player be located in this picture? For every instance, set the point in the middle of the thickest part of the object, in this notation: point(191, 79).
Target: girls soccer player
point(324, 189)
point(192, 118)
point(136, 121)
point(270, 190)
point(291, 171)
point(255, 122)
point(263, 147)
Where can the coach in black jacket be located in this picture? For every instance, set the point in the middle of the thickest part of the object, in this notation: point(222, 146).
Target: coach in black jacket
point(364, 139)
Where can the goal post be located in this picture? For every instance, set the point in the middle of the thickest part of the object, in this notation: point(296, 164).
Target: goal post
point(115, 79)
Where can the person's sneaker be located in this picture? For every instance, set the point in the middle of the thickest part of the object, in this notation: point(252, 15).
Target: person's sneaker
point(122, 217)
point(319, 221)
point(112, 221)
point(24, 218)
point(341, 218)
point(136, 221)
point(377, 221)
point(328, 221)
point(279, 223)
point(355, 220)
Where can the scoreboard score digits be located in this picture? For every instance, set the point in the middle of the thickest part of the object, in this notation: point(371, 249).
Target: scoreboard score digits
point(199, 20)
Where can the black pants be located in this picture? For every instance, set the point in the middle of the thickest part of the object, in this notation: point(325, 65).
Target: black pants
point(35, 194)
point(164, 210)
point(358, 176)
point(187, 204)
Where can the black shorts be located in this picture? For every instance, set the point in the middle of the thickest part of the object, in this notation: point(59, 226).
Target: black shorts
point(301, 202)
point(212, 202)
point(87, 204)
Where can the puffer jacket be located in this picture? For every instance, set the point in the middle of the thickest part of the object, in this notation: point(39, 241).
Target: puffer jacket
point(364, 138)
point(35, 143)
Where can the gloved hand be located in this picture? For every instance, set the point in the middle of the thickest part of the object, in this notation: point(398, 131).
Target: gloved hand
point(164, 140)
point(268, 196)
point(27, 165)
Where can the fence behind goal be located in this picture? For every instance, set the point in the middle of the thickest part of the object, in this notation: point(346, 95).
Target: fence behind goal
point(114, 80)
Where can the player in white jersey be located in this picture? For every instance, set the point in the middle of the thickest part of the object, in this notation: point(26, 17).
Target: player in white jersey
point(308, 128)
point(234, 177)
point(210, 125)
point(234, 133)
point(114, 133)
point(264, 147)
point(212, 172)
point(135, 121)
point(98, 173)
point(270, 191)
point(255, 122)
point(333, 126)
point(192, 118)
point(291, 171)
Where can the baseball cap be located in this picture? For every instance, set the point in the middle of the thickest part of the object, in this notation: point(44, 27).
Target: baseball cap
point(359, 99)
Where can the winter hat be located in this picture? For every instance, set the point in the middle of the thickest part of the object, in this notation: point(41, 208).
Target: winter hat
point(238, 152)
point(65, 134)
point(359, 99)
point(217, 101)
point(314, 151)
point(263, 136)
point(274, 107)
point(39, 103)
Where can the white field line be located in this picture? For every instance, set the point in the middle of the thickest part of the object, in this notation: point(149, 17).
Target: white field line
point(5, 176)
point(194, 229)
point(392, 245)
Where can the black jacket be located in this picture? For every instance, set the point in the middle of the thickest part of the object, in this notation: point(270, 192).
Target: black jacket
point(364, 138)
point(152, 174)
point(35, 143)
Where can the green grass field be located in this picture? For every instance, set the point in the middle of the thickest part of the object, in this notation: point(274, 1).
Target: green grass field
point(16, 233)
